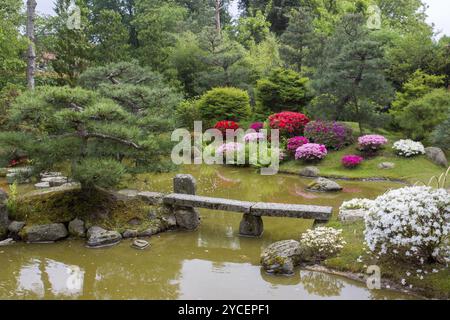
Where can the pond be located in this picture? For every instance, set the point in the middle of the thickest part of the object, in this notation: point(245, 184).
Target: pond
point(210, 263)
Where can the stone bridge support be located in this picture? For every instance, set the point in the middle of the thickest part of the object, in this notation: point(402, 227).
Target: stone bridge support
point(187, 217)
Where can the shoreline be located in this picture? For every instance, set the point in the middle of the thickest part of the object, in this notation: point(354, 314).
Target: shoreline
point(386, 284)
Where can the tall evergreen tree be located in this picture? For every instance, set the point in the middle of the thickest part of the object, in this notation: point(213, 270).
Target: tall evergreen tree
point(351, 85)
point(297, 38)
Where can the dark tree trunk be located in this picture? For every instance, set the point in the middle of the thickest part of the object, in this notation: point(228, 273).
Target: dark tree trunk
point(31, 56)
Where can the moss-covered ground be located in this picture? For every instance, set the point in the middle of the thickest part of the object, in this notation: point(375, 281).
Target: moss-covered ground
point(99, 207)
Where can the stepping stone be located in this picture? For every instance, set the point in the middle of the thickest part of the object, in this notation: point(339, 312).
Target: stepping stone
point(140, 244)
point(50, 175)
point(42, 185)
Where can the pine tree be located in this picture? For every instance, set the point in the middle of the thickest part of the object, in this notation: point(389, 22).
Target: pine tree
point(100, 139)
point(351, 85)
point(297, 38)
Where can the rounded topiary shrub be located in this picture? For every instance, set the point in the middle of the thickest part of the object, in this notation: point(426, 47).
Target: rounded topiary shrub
point(333, 135)
point(224, 104)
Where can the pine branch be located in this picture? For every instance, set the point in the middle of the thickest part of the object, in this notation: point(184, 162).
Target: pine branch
point(112, 138)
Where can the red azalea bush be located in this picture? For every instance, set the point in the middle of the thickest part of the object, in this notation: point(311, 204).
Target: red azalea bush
point(332, 134)
point(225, 125)
point(352, 161)
point(289, 123)
point(296, 142)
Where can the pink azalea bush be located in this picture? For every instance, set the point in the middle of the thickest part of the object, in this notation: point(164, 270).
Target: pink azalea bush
point(352, 161)
point(254, 137)
point(370, 144)
point(311, 152)
point(230, 147)
point(296, 142)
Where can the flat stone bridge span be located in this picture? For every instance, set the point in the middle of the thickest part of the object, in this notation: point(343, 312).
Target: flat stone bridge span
point(184, 202)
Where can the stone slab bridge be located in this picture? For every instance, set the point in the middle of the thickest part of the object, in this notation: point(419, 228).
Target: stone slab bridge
point(184, 201)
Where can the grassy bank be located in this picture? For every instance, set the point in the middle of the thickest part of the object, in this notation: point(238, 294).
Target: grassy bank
point(433, 285)
point(411, 170)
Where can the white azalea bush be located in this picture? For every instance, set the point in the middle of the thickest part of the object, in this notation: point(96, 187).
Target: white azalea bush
point(411, 223)
point(408, 148)
point(356, 204)
point(322, 242)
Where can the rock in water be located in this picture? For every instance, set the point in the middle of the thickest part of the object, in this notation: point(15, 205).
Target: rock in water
point(282, 257)
point(386, 165)
point(44, 232)
point(139, 244)
point(130, 233)
point(14, 229)
point(99, 237)
point(324, 185)
point(437, 156)
point(310, 172)
point(6, 242)
point(76, 228)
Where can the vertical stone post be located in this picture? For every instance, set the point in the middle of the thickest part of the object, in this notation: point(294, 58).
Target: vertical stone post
point(251, 226)
point(187, 217)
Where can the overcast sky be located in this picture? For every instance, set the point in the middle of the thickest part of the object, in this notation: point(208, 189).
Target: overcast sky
point(438, 12)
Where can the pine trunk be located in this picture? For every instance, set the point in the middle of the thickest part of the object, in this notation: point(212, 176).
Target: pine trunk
point(31, 56)
point(217, 12)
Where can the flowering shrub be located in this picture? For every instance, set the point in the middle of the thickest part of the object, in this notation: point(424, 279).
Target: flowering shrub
point(289, 123)
point(323, 242)
point(225, 125)
point(408, 148)
point(351, 161)
point(296, 142)
point(257, 126)
point(333, 135)
point(311, 152)
point(355, 204)
point(370, 144)
point(254, 137)
point(412, 222)
point(230, 147)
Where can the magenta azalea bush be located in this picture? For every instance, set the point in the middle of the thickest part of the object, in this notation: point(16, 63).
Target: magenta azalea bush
point(311, 152)
point(370, 144)
point(332, 134)
point(257, 126)
point(296, 142)
point(352, 161)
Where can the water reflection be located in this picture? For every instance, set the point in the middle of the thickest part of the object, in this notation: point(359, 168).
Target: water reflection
point(321, 284)
point(38, 278)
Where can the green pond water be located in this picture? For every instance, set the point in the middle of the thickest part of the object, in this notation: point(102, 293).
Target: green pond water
point(210, 263)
